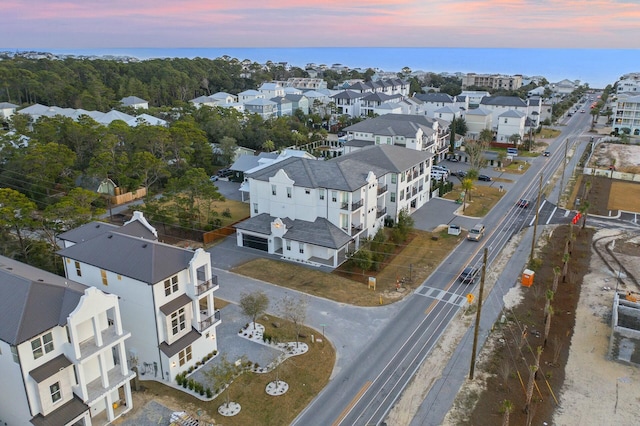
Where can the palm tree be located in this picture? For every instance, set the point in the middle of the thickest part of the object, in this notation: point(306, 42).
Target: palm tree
point(533, 370)
point(467, 186)
point(556, 275)
point(547, 325)
point(565, 266)
point(507, 408)
point(584, 209)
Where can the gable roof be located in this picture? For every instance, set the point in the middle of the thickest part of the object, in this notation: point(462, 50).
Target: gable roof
point(391, 158)
point(145, 260)
point(512, 113)
point(503, 101)
point(479, 111)
point(394, 125)
point(348, 94)
point(33, 301)
point(132, 100)
point(434, 97)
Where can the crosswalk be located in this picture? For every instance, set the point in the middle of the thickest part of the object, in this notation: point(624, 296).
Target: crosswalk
point(442, 295)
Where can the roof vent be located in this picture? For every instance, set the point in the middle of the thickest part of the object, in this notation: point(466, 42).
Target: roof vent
point(144, 246)
point(110, 236)
point(40, 280)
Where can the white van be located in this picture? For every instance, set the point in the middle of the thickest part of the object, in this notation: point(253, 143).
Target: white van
point(512, 151)
point(439, 175)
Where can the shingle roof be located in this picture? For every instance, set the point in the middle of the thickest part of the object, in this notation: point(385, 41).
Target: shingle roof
point(87, 231)
point(132, 100)
point(50, 368)
point(390, 158)
point(33, 301)
point(513, 114)
point(141, 259)
point(434, 97)
point(180, 344)
point(320, 232)
point(479, 111)
point(394, 125)
point(348, 94)
point(503, 101)
point(62, 415)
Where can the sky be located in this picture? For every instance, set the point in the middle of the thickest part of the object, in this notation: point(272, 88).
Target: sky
point(90, 24)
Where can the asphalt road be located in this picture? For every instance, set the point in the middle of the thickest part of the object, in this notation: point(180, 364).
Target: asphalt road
point(364, 393)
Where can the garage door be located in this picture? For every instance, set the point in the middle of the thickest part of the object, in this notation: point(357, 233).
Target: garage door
point(255, 242)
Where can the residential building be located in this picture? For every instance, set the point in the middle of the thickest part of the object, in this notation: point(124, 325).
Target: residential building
point(316, 212)
point(265, 108)
point(501, 104)
point(298, 101)
point(135, 102)
point(626, 113)
point(474, 97)
point(417, 132)
point(7, 109)
point(37, 111)
point(493, 81)
point(271, 90)
point(306, 83)
point(564, 87)
point(431, 102)
point(348, 103)
point(477, 119)
point(250, 95)
point(284, 106)
point(510, 123)
point(166, 292)
point(628, 83)
point(62, 351)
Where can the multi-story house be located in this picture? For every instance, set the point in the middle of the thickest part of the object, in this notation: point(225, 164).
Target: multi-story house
point(265, 108)
point(477, 119)
point(271, 90)
point(317, 211)
point(474, 97)
point(371, 101)
point(626, 113)
point(7, 109)
point(166, 292)
point(298, 101)
point(493, 81)
point(629, 83)
point(62, 351)
point(135, 102)
point(435, 101)
point(284, 106)
point(510, 123)
point(417, 132)
point(250, 95)
point(306, 83)
point(348, 102)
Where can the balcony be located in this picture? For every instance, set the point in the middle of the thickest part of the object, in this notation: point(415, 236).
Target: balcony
point(89, 347)
point(95, 390)
point(353, 206)
point(207, 285)
point(382, 190)
point(214, 319)
point(355, 230)
point(381, 212)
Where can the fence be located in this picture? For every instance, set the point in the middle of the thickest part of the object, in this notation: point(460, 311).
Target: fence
point(129, 196)
point(632, 177)
point(220, 233)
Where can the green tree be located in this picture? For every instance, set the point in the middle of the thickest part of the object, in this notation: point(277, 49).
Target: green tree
point(191, 192)
point(17, 215)
point(254, 304)
point(515, 139)
point(467, 186)
point(228, 148)
point(48, 165)
point(507, 408)
point(362, 259)
point(221, 375)
point(148, 169)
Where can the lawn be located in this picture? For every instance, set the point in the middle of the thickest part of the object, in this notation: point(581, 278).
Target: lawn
point(482, 200)
point(306, 375)
point(517, 167)
point(416, 259)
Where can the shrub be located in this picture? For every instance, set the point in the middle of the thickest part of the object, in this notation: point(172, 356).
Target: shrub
point(215, 353)
point(226, 212)
point(185, 383)
point(209, 393)
point(191, 384)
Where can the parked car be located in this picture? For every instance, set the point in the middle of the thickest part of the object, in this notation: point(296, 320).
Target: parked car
point(214, 178)
point(546, 153)
point(441, 168)
point(453, 159)
point(581, 110)
point(468, 275)
point(484, 178)
point(223, 172)
point(522, 203)
point(459, 173)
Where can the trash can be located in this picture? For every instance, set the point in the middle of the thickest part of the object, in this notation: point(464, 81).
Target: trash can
point(454, 229)
point(527, 277)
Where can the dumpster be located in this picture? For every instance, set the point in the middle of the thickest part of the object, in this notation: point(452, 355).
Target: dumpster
point(527, 277)
point(454, 229)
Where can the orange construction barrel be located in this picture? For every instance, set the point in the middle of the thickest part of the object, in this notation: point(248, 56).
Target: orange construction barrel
point(527, 277)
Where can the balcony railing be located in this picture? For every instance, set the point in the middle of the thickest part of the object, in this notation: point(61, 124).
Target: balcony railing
point(382, 190)
point(208, 322)
point(381, 212)
point(356, 229)
point(89, 347)
point(207, 285)
point(353, 206)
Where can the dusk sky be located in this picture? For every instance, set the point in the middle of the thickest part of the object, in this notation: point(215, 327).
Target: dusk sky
point(330, 23)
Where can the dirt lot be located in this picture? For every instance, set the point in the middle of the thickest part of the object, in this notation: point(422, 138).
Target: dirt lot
point(625, 158)
point(607, 196)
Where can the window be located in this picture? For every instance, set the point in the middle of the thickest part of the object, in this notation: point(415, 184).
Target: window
point(78, 271)
point(402, 194)
point(393, 197)
point(334, 196)
point(288, 192)
point(506, 121)
point(307, 191)
point(321, 192)
point(273, 190)
point(178, 321)
point(54, 389)
point(255, 207)
point(103, 274)
point(288, 245)
point(184, 355)
point(171, 285)
point(394, 178)
point(402, 177)
point(301, 249)
point(42, 345)
point(14, 353)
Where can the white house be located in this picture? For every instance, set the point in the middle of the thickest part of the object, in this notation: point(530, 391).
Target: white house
point(501, 104)
point(135, 102)
point(316, 211)
point(626, 113)
point(477, 120)
point(265, 108)
point(7, 109)
point(62, 351)
point(166, 292)
point(510, 123)
point(250, 95)
point(271, 90)
point(474, 97)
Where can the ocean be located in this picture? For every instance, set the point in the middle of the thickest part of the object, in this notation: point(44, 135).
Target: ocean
point(597, 67)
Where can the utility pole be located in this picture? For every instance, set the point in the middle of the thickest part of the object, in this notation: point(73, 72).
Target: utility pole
point(564, 165)
point(535, 223)
point(477, 329)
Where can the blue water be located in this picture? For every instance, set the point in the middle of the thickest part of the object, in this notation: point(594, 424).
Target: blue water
point(597, 67)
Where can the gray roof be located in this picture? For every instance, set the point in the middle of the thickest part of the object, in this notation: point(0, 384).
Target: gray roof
point(144, 260)
point(405, 125)
point(180, 344)
point(513, 114)
point(478, 111)
point(87, 232)
point(132, 100)
point(391, 158)
point(503, 101)
point(434, 97)
point(380, 97)
point(348, 94)
point(320, 232)
point(62, 415)
point(7, 105)
point(293, 97)
point(50, 368)
point(359, 143)
point(175, 304)
point(446, 110)
point(33, 301)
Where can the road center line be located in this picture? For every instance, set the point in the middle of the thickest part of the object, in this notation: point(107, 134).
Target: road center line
point(353, 402)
